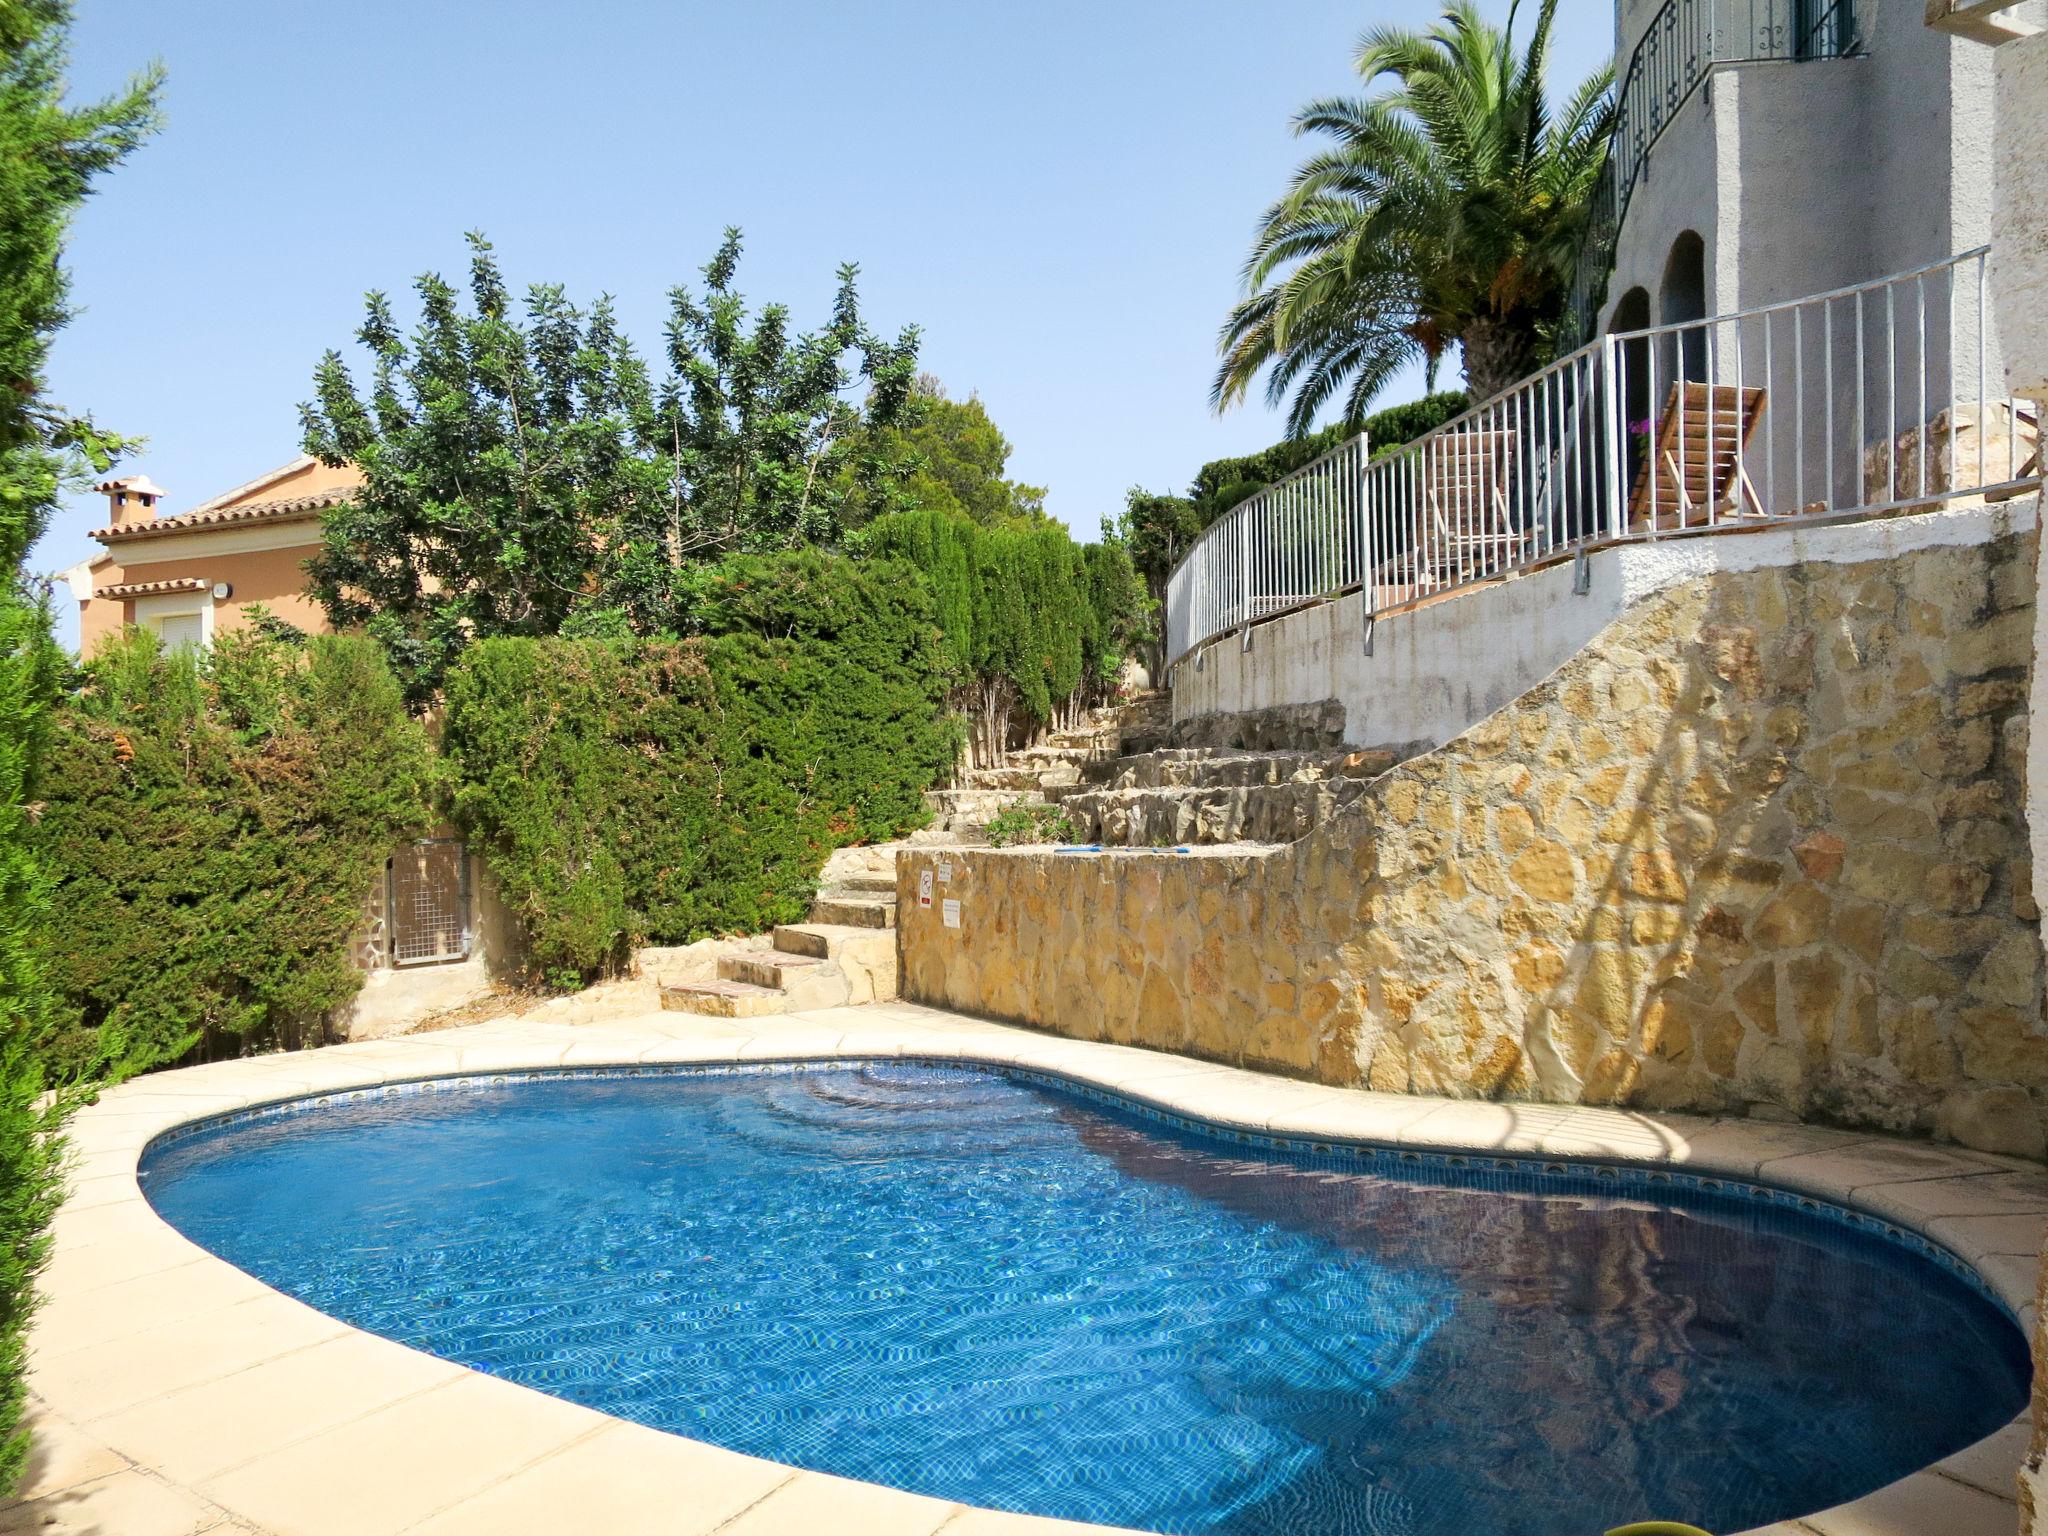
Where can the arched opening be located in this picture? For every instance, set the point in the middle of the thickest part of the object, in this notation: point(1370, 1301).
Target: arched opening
point(1632, 313)
point(1683, 297)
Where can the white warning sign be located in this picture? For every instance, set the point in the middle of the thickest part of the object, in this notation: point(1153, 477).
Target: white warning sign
point(924, 888)
point(950, 910)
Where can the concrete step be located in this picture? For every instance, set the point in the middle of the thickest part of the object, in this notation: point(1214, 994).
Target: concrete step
point(854, 912)
point(724, 999)
point(772, 969)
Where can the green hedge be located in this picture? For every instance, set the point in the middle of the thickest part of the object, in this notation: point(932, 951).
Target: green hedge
point(31, 1150)
point(634, 791)
point(1222, 483)
point(1029, 617)
point(211, 826)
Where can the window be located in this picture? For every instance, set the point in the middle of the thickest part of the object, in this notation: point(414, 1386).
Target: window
point(179, 630)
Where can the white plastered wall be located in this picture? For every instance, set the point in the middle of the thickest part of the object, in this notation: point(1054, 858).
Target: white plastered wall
point(1438, 669)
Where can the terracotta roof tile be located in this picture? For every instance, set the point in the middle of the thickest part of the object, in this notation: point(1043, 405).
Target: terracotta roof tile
point(249, 512)
point(152, 588)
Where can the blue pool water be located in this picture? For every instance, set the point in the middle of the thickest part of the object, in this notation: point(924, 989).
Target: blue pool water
point(963, 1283)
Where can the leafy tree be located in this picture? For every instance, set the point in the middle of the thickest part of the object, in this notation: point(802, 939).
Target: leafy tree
point(1122, 610)
point(1447, 210)
point(50, 155)
point(497, 450)
point(953, 459)
point(765, 449)
point(1155, 530)
point(523, 474)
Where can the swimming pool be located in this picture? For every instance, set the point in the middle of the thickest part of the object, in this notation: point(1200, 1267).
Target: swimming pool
point(990, 1287)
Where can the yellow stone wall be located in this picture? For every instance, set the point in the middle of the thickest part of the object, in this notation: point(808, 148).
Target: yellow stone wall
point(1760, 844)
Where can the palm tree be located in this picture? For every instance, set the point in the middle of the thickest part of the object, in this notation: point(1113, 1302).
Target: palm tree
point(1448, 210)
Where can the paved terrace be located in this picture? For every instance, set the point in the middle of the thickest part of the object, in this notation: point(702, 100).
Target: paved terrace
point(175, 1395)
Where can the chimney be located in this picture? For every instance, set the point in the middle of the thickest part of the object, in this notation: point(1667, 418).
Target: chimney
point(131, 499)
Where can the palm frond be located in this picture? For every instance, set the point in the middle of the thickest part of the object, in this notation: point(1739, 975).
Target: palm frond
point(1450, 192)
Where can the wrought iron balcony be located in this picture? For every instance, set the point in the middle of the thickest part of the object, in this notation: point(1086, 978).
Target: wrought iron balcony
point(1684, 41)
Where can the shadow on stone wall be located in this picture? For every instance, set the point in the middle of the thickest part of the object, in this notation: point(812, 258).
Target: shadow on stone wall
point(1760, 845)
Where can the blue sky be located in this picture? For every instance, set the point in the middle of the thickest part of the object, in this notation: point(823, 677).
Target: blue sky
point(1059, 193)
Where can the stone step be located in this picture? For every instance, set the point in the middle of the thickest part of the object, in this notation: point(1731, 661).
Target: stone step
point(962, 810)
point(1174, 815)
point(1031, 772)
point(1210, 768)
point(774, 970)
point(724, 999)
point(832, 941)
point(1280, 728)
point(847, 965)
point(854, 912)
point(871, 884)
point(1015, 777)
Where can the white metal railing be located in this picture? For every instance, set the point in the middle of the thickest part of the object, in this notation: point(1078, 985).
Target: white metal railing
point(1852, 403)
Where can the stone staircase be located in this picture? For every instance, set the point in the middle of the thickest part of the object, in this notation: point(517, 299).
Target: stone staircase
point(1194, 795)
point(1035, 774)
point(845, 954)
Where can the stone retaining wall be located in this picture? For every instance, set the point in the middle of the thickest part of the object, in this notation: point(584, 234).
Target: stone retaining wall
point(1759, 845)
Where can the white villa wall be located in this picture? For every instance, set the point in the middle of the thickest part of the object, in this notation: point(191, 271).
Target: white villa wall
point(1439, 669)
point(1433, 671)
point(1804, 176)
point(1679, 190)
point(2019, 256)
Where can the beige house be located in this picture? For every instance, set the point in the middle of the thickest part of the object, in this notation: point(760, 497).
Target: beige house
point(191, 575)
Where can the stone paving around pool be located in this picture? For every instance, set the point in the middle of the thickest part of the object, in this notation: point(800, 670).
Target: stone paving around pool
point(174, 1395)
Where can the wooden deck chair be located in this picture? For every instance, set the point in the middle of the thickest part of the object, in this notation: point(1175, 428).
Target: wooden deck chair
point(1471, 530)
point(1462, 527)
point(1695, 473)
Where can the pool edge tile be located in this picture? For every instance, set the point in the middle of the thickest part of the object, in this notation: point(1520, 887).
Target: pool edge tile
point(1816, 1162)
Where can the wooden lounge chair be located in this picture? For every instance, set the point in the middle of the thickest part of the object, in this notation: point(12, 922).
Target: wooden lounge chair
point(1695, 473)
point(1463, 528)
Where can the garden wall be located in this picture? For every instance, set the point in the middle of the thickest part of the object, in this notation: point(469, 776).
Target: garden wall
point(1444, 665)
point(1760, 844)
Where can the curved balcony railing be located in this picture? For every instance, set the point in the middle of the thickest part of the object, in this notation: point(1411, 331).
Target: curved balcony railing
point(1854, 403)
point(1682, 43)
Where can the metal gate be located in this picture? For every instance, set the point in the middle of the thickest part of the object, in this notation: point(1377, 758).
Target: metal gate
point(428, 902)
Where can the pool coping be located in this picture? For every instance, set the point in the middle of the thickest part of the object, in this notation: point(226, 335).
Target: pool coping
point(176, 1394)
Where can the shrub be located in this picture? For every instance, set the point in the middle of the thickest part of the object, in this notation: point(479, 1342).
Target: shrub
point(1223, 483)
point(211, 826)
point(629, 791)
point(1020, 824)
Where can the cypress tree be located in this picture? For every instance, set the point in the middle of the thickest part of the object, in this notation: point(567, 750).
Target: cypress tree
point(50, 155)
